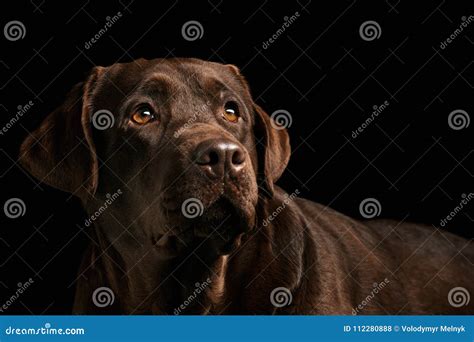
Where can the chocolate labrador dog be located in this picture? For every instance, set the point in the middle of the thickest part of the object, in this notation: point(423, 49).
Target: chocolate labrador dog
point(176, 166)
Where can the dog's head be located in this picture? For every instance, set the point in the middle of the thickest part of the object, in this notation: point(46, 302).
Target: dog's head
point(181, 138)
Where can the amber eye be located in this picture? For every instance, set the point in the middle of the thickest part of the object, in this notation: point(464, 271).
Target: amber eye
point(143, 115)
point(231, 112)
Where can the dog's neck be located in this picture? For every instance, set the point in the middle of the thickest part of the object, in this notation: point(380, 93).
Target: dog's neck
point(148, 281)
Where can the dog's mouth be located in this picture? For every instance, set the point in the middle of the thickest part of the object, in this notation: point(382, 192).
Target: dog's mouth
point(219, 226)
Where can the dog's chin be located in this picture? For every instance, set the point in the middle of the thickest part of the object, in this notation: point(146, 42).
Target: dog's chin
point(218, 231)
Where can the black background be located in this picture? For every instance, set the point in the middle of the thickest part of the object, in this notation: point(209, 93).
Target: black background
point(319, 70)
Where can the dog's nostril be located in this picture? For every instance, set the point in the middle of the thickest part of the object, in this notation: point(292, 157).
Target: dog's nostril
point(238, 157)
point(208, 157)
point(213, 158)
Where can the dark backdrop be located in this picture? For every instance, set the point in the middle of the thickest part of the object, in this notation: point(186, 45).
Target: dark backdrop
point(320, 70)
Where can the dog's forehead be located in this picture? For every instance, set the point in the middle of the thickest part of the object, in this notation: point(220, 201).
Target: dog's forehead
point(175, 70)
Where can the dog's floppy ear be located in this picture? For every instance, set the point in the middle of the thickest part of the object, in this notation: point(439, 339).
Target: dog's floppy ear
point(273, 149)
point(61, 152)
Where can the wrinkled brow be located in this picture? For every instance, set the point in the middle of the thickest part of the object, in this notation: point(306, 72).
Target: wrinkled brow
point(159, 84)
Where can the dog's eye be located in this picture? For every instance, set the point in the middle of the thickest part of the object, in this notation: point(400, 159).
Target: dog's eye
point(143, 115)
point(231, 112)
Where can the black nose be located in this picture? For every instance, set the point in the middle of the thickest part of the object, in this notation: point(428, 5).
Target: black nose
point(217, 157)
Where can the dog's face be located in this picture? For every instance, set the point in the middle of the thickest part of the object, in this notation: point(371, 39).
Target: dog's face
point(181, 138)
